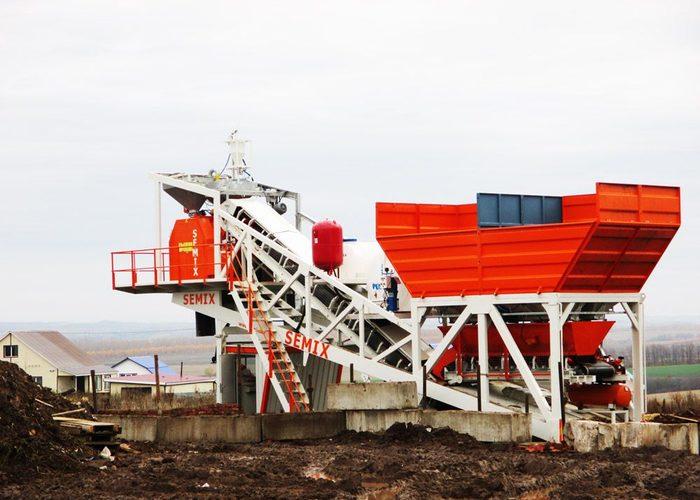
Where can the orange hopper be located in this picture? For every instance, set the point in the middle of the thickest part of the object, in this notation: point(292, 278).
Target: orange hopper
point(608, 241)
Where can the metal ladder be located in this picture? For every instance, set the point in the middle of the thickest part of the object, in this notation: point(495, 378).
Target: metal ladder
point(280, 366)
point(280, 369)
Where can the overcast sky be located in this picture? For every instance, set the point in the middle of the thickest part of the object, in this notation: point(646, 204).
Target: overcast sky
point(348, 103)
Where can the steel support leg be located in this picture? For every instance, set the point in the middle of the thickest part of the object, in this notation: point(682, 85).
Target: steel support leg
point(415, 351)
point(361, 319)
point(220, 349)
point(483, 339)
point(308, 316)
point(639, 389)
point(554, 314)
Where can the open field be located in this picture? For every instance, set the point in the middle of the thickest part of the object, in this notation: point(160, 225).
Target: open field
point(673, 371)
point(407, 463)
point(670, 378)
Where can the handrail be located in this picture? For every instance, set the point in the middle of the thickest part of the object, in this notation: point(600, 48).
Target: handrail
point(135, 265)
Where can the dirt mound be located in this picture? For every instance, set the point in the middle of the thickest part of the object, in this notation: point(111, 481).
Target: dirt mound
point(665, 418)
point(30, 440)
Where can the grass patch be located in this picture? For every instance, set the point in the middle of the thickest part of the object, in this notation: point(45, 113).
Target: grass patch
point(673, 371)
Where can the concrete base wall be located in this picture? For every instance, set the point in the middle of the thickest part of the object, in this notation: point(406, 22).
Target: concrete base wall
point(134, 427)
point(228, 429)
point(287, 426)
point(209, 428)
point(586, 436)
point(372, 396)
point(487, 427)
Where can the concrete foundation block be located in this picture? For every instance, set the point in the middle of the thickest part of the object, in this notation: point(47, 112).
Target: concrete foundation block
point(379, 420)
point(486, 427)
point(372, 396)
point(587, 436)
point(608, 436)
point(482, 426)
point(164, 429)
point(289, 426)
point(583, 435)
point(209, 428)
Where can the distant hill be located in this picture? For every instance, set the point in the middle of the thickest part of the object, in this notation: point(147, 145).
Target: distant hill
point(175, 342)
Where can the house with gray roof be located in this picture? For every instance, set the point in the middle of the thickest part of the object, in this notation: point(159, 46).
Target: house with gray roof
point(52, 360)
point(141, 365)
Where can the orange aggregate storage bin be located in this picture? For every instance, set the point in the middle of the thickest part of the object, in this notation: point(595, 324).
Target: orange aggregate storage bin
point(192, 248)
point(580, 338)
point(609, 241)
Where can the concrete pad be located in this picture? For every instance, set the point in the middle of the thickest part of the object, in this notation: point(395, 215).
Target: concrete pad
point(483, 426)
point(586, 436)
point(372, 396)
point(288, 426)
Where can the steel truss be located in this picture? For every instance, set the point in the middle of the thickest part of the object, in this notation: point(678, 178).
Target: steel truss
point(558, 307)
point(340, 325)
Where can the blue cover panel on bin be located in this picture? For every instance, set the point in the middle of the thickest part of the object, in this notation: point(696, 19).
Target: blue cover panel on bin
point(497, 210)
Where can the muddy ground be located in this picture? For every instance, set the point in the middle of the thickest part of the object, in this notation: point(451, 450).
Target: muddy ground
point(405, 463)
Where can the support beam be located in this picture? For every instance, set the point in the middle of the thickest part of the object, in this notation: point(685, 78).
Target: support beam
point(555, 355)
point(248, 248)
point(217, 235)
point(361, 319)
point(632, 315)
point(308, 317)
point(639, 389)
point(220, 350)
point(338, 319)
point(483, 348)
point(416, 316)
point(282, 291)
point(521, 364)
point(398, 345)
point(566, 312)
point(447, 339)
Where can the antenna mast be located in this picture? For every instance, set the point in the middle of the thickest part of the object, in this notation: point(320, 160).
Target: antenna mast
point(238, 146)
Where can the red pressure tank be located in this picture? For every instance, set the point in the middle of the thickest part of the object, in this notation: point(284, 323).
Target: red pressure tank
point(585, 396)
point(192, 248)
point(327, 245)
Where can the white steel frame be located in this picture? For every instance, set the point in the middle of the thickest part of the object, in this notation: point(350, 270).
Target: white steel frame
point(557, 306)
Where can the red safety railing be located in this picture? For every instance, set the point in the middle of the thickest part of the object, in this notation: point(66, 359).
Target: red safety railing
point(154, 266)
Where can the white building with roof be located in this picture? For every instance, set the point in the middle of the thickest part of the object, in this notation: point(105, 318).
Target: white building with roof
point(141, 365)
point(52, 360)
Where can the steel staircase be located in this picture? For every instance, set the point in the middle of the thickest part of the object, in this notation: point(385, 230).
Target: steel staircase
point(280, 366)
point(280, 369)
